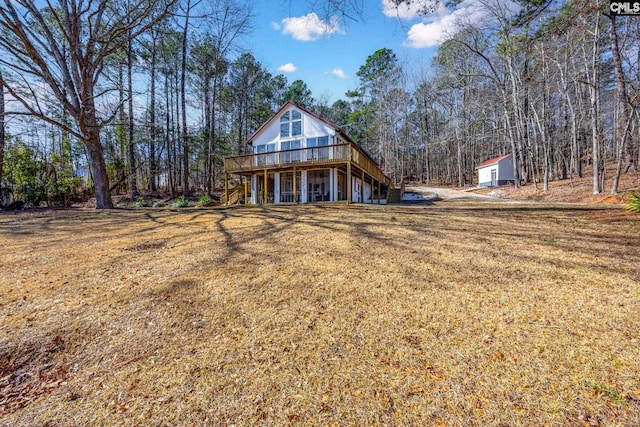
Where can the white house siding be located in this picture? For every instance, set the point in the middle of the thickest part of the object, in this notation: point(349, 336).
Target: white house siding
point(484, 175)
point(268, 135)
point(367, 193)
point(355, 189)
point(276, 187)
point(311, 128)
point(334, 185)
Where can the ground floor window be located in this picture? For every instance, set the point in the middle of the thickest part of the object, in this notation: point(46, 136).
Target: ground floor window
point(318, 185)
point(286, 187)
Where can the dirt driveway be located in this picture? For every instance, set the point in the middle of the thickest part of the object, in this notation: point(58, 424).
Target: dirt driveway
point(415, 193)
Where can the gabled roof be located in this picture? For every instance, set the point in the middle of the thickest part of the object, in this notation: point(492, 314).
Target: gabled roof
point(337, 128)
point(492, 161)
point(288, 104)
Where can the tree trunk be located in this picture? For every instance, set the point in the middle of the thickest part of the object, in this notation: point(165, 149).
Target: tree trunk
point(206, 113)
point(622, 130)
point(2, 137)
point(519, 119)
point(120, 135)
point(183, 100)
point(594, 95)
point(98, 168)
point(616, 177)
point(152, 120)
point(132, 153)
point(211, 145)
point(167, 134)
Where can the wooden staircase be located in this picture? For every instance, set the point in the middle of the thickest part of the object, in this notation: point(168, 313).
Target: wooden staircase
point(236, 196)
point(394, 195)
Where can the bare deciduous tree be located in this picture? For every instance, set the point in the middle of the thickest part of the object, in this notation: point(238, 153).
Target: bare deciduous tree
point(60, 50)
point(2, 134)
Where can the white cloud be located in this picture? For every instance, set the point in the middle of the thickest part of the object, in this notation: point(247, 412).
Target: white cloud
point(339, 73)
point(309, 27)
point(407, 9)
point(287, 68)
point(276, 26)
point(443, 24)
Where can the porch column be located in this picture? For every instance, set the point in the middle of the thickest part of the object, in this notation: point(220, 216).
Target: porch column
point(379, 185)
point(331, 192)
point(349, 189)
point(226, 188)
point(295, 186)
point(254, 189)
point(304, 184)
point(266, 187)
point(363, 186)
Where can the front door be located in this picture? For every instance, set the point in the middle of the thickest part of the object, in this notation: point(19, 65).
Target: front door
point(494, 177)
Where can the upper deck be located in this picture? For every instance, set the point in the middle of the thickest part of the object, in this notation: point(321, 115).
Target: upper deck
point(305, 158)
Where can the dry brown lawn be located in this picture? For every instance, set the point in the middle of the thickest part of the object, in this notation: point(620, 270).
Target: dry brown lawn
point(465, 315)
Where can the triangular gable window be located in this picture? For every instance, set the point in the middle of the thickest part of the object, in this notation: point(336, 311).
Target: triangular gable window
point(291, 124)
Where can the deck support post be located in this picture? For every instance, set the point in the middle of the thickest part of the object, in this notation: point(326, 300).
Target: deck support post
point(295, 186)
point(349, 189)
point(246, 189)
point(226, 188)
point(345, 155)
point(266, 187)
point(373, 189)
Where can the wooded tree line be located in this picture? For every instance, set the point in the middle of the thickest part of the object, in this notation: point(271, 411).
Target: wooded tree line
point(149, 99)
point(556, 84)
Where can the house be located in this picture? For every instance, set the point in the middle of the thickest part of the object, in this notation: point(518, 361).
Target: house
point(496, 171)
point(300, 157)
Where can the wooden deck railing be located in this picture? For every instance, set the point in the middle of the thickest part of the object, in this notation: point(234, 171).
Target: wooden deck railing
point(325, 155)
point(234, 197)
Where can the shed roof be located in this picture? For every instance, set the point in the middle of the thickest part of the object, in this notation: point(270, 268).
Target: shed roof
point(492, 161)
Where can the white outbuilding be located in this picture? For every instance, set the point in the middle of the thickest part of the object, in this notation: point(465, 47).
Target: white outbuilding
point(496, 171)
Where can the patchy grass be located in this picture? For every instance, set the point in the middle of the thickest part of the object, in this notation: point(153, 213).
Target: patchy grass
point(454, 315)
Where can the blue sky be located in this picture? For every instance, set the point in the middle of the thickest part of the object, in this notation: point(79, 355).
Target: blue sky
point(326, 52)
